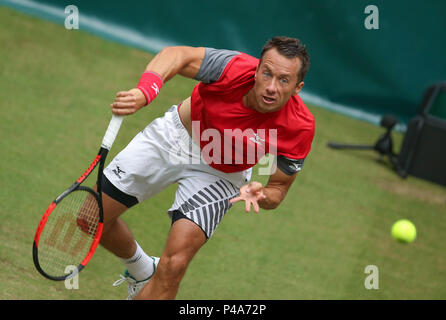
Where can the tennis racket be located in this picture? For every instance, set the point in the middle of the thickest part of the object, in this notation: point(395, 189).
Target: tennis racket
point(71, 227)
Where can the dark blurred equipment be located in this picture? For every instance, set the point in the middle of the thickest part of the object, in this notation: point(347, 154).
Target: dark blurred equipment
point(423, 152)
point(384, 145)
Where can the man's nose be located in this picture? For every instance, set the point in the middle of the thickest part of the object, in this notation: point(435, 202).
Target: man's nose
point(271, 86)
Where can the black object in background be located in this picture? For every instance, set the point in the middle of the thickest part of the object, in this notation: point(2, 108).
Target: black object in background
point(423, 152)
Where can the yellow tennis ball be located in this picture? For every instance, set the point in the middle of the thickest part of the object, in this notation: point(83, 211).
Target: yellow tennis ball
point(404, 231)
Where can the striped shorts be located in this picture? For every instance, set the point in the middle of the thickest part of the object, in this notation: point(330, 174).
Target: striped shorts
point(163, 154)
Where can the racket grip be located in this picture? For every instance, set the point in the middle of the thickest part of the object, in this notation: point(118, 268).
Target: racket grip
point(112, 131)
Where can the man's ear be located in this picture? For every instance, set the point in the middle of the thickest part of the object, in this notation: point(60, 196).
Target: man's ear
point(298, 88)
point(257, 70)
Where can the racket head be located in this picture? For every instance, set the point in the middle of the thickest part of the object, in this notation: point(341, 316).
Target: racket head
point(68, 233)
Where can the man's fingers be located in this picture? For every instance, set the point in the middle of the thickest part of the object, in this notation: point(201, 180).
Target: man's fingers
point(123, 112)
point(123, 105)
point(126, 98)
point(235, 200)
point(247, 205)
point(247, 202)
point(254, 189)
point(123, 93)
point(256, 206)
point(123, 108)
point(249, 199)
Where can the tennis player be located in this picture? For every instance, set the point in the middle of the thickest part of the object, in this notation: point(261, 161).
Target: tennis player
point(241, 109)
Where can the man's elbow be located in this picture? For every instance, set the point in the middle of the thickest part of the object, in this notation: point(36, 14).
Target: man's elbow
point(169, 51)
point(270, 204)
point(182, 53)
point(274, 197)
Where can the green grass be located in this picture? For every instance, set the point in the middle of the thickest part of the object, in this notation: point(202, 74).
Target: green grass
point(55, 89)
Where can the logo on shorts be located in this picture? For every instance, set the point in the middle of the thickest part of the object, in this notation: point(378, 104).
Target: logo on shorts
point(117, 171)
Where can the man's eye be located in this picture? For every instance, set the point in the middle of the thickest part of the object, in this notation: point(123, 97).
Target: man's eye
point(284, 81)
point(266, 74)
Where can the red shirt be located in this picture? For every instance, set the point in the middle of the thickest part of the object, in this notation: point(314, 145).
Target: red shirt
point(234, 137)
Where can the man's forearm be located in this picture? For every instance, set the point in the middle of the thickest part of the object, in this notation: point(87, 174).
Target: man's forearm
point(171, 61)
point(166, 63)
point(274, 196)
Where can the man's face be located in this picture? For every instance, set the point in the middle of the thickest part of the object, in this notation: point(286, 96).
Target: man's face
point(276, 80)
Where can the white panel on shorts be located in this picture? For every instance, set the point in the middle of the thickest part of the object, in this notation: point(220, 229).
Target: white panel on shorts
point(204, 199)
point(163, 154)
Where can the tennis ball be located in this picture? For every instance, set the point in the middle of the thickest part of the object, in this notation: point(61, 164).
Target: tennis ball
point(404, 231)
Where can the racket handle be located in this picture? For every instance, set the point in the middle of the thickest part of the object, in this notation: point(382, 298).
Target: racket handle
point(112, 131)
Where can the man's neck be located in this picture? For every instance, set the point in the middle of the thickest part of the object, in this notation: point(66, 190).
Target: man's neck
point(249, 99)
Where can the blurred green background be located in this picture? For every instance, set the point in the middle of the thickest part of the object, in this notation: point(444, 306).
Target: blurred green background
point(362, 72)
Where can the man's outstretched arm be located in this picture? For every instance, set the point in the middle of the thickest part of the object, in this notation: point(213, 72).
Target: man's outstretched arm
point(169, 62)
point(269, 196)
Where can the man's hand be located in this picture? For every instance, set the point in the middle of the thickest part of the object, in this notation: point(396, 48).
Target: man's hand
point(268, 197)
point(128, 102)
point(250, 193)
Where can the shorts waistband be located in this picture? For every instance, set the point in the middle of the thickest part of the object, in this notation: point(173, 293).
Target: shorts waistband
point(237, 178)
point(181, 128)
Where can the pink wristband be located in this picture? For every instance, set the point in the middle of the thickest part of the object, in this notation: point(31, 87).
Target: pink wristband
point(150, 84)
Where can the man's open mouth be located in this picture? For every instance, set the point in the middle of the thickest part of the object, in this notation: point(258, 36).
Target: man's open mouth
point(268, 100)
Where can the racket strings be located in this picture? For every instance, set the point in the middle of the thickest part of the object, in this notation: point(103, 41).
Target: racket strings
point(69, 232)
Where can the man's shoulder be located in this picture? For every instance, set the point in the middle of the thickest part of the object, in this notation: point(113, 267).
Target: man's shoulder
point(300, 111)
point(297, 129)
point(244, 61)
point(217, 62)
